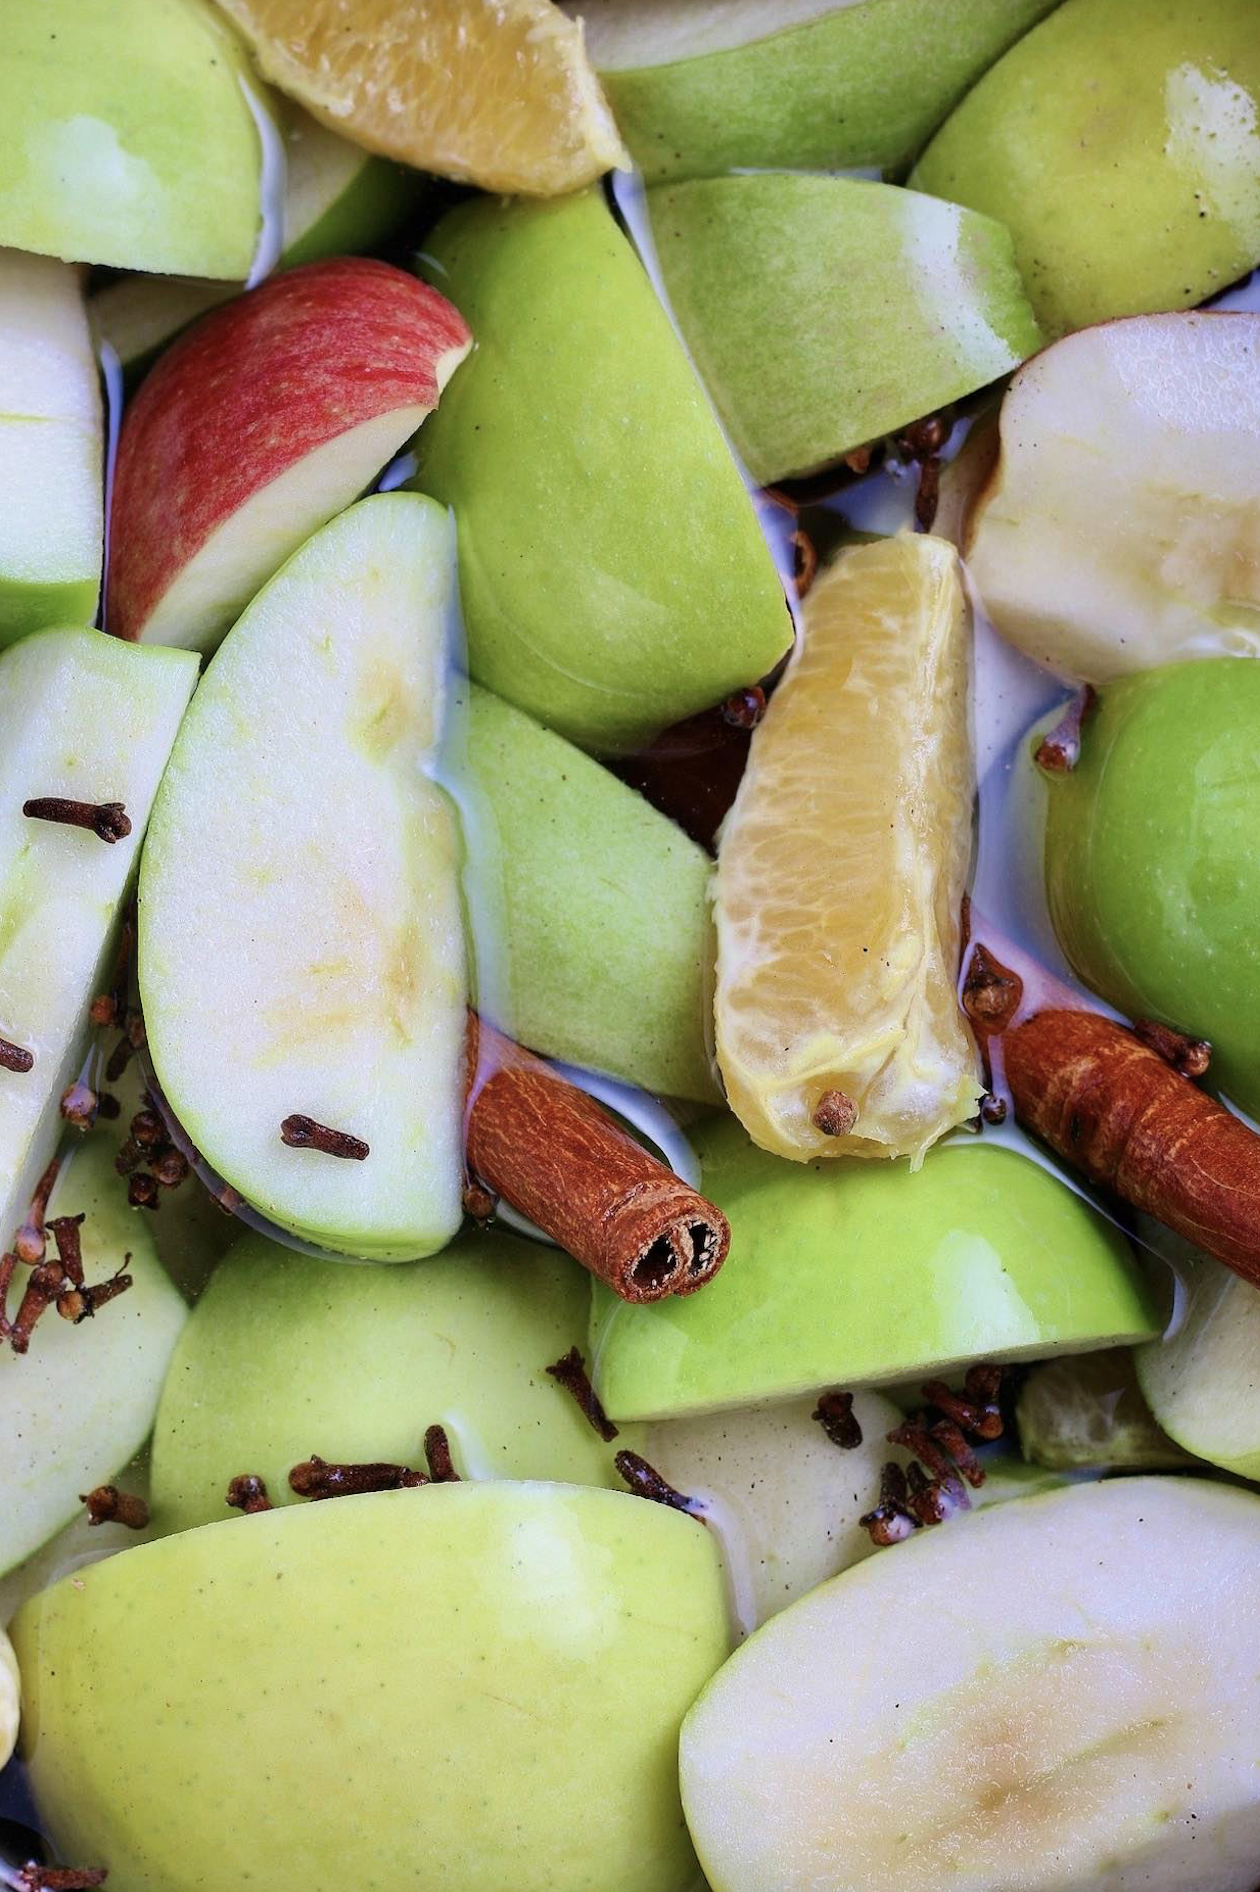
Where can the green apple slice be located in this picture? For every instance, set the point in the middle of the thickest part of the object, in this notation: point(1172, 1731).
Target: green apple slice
point(151, 161)
point(698, 90)
point(10, 1699)
point(301, 947)
point(605, 937)
point(1059, 1694)
point(1088, 1413)
point(1202, 1384)
point(880, 305)
point(84, 717)
point(286, 1357)
point(1169, 405)
point(848, 1273)
point(1118, 143)
point(623, 582)
point(475, 1686)
point(80, 1404)
point(51, 449)
point(77, 1543)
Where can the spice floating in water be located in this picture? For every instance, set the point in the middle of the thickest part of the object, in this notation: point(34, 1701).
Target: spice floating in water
point(646, 1482)
point(315, 1478)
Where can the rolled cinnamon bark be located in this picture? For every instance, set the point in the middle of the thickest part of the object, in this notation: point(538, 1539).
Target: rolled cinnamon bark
point(1113, 1108)
point(558, 1157)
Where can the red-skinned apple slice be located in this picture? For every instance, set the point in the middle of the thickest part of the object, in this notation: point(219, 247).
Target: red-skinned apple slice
point(269, 416)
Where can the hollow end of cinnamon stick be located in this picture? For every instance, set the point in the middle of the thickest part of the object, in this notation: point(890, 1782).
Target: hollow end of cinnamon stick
point(561, 1159)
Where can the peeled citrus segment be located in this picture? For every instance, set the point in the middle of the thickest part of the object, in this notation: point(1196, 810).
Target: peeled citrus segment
point(841, 871)
point(497, 93)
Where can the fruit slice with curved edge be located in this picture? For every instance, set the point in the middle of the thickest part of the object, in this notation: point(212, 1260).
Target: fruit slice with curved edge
point(286, 1357)
point(80, 1404)
point(1202, 1384)
point(271, 416)
point(86, 718)
point(603, 932)
point(497, 93)
point(850, 1274)
point(498, 1670)
point(806, 84)
point(148, 162)
point(10, 1699)
point(301, 948)
point(1151, 867)
point(1168, 406)
point(626, 583)
point(1118, 143)
point(877, 305)
point(77, 1543)
point(337, 198)
point(51, 450)
point(841, 870)
point(1032, 1708)
point(1088, 1412)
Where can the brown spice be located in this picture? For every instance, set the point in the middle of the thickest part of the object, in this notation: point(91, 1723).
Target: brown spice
point(646, 1482)
point(14, 1058)
point(993, 1108)
point(571, 1374)
point(479, 1204)
point(891, 1521)
point(36, 1878)
point(170, 1167)
point(834, 1413)
point(108, 1505)
point(66, 1233)
point(933, 1500)
point(804, 563)
point(745, 709)
point(991, 993)
point(975, 1409)
point(928, 494)
point(1190, 1056)
point(142, 1192)
point(437, 1453)
point(303, 1133)
point(248, 1493)
point(79, 1105)
point(29, 1241)
point(47, 1280)
point(107, 820)
point(315, 1478)
point(1060, 751)
point(834, 1114)
point(82, 1302)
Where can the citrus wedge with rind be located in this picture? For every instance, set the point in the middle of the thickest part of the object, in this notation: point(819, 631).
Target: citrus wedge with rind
point(497, 93)
point(842, 867)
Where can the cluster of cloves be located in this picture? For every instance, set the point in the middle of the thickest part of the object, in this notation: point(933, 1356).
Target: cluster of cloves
point(148, 1143)
point(54, 1281)
point(934, 1485)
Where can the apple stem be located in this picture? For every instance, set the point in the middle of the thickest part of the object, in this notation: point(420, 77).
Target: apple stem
point(570, 1372)
point(107, 820)
point(108, 1505)
point(834, 1413)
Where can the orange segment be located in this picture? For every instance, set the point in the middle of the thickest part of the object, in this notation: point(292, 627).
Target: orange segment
point(498, 93)
point(842, 867)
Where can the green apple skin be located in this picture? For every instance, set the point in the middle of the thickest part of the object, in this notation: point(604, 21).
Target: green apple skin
point(828, 92)
point(473, 1686)
point(1203, 1384)
point(52, 527)
point(1059, 1694)
point(622, 582)
point(84, 716)
point(286, 1357)
point(332, 983)
point(851, 1273)
point(148, 162)
point(1117, 142)
point(1151, 867)
point(1088, 1413)
point(883, 304)
point(601, 943)
point(80, 1404)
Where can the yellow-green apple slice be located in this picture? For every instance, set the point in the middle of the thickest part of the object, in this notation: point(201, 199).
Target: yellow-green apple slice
point(268, 418)
point(80, 1403)
point(471, 1685)
point(699, 90)
point(286, 1357)
point(1169, 407)
point(1088, 1413)
point(51, 451)
point(876, 306)
point(337, 198)
point(1202, 1384)
point(301, 946)
point(605, 937)
point(625, 583)
point(1120, 144)
point(130, 138)
point(848, 1273)
point(1059, 1694)
point(10, 1699)
point(86, 719)
point(78, 1542)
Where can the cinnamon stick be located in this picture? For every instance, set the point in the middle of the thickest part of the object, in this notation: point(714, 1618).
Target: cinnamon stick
point(1114, 1109)
point(562, 1160)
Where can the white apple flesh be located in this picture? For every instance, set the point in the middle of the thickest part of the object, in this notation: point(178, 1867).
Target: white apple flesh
point(301, 944)
point(1203, 1383)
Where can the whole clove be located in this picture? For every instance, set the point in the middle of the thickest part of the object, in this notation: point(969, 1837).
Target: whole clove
point(646, 1482)
point(834, 1413)
point(570, 1372)
point(107, 820)
point(108, 1505)
point(315, 1478)
point(14, 1058)
point(248, 1493)
point(437, 1453)
point(303, 1133)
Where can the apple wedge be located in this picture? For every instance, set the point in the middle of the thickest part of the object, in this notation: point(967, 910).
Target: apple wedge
point(1202, 1385)
point(89, 720)
point(1166, 409)
point(80, 1404)
point(1059, 1694)
point(301, 945)
point(806, 84)
point(261, 423)
point(51, 449)
point(130, 138)
point(468, 1686)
